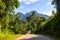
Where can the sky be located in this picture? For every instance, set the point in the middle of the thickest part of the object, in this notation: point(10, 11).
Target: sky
point(41, 6)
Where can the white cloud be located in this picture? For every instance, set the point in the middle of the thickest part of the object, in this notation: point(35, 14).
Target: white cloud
point(48, 13)
point(28, 1)
point(54, 9)
point(21, 7)
point(49, 3)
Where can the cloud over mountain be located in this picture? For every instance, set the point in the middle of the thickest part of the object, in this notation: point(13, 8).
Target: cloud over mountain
point(28, 1)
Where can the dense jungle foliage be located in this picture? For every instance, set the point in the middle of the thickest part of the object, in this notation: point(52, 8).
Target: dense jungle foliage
point(10, 22)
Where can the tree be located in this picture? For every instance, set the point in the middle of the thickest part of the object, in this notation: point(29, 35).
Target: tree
point(57, 17)
point(6, 8)
point(34, 22)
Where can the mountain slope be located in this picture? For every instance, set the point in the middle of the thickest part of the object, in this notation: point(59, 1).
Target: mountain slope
point(23, 16)
point(36, 13)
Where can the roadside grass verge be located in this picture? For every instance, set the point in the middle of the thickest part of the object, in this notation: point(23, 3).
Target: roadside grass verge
point(9, 37)
point(13, 37)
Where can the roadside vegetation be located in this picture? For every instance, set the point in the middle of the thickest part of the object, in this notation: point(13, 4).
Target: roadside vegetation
point(11, 26)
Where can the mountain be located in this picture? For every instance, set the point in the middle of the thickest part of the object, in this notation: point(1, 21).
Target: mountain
point(36, 13)
point(23, 16)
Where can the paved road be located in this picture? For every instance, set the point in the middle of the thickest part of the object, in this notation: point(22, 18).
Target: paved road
point(33, 37)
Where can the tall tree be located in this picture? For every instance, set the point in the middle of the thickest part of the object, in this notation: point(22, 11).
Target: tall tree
point(7, 7)
point(57, 17)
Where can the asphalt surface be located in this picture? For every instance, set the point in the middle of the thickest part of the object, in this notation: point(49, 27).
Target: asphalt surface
point(33, 37)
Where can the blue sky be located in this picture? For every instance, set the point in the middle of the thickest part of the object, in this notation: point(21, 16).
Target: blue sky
point(41, 6)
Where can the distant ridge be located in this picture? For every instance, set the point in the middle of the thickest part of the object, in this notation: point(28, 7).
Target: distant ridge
point(23, 16)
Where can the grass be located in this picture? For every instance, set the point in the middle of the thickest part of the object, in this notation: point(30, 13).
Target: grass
point(13, 37)
point(10, 37)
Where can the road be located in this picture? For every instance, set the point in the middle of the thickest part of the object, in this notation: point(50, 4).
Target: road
point(33, 37)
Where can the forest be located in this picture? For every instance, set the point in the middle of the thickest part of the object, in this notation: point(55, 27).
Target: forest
point(12, 24)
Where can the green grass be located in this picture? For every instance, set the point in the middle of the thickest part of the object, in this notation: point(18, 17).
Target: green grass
point(9, 37)
point(13, 37)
